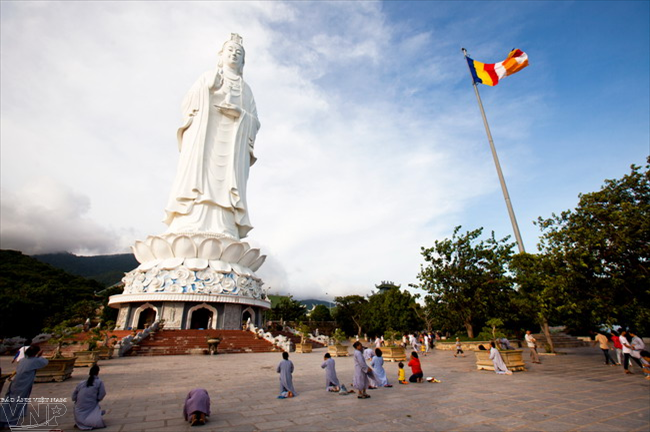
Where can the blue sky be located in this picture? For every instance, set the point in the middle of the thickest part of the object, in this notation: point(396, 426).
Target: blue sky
point(371, 144)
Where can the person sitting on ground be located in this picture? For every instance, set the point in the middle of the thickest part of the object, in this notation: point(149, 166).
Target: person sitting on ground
point(331, 380)
point(197, 407)
point(401, 375)
point(378, 370)
point(21, 387)
point(499, 365)
point(416, 368)
point(285, 369)
point(86, 397)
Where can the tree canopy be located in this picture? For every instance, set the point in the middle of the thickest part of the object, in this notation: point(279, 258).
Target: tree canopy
point(287, 309)
point(468, 276)
point(605, 245)
point(34, 295)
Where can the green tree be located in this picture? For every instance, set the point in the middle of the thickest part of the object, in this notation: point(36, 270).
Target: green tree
point(350, 312)
point(287, 309)
point(605, 244)
point(34, 295)
point(544, 290)
point(468, 277)
point(392, 308)
point(320, 313)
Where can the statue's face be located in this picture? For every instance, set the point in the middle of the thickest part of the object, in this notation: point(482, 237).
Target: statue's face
point(232, 55)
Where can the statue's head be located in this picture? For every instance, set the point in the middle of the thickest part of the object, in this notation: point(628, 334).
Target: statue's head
point(232, 53)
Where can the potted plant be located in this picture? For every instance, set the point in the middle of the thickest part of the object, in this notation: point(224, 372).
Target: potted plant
point(213, 344)
point(95, 352)
point(59, 368)
point(512, 358)
point(338, 349)
point(393, 351)
point(304, 346)
point(107, 339)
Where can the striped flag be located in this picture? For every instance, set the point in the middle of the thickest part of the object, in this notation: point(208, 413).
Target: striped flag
point(490, 74)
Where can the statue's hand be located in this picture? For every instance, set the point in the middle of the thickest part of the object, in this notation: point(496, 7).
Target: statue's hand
point(230, 110)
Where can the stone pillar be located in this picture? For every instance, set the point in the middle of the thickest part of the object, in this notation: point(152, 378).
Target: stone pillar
point(232, 317)
point(172, 313)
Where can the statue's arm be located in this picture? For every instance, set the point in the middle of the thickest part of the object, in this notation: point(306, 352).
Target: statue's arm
point(193, 100)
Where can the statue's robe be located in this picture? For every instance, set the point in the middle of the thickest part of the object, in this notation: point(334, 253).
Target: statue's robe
point(209, 191)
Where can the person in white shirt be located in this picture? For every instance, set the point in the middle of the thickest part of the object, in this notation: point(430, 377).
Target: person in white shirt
point(628, 350)
point(532, 345)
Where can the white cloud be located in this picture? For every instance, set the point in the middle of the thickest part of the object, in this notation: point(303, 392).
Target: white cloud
point(46, 216)
point(362, 158)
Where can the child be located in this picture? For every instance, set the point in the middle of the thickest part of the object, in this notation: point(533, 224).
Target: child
point(285, 369)
point(416, 368)
point(331, 380)
point(401, 375)
point(459, 348)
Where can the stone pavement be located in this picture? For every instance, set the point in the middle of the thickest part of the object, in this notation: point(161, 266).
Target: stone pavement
point(565, 393)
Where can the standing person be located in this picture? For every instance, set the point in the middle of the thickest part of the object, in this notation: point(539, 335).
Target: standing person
point(618, 348)
point(427, 341)
point(637, 346)
point(416, 368)
point(361, 371)
point(197, 407)
point(628, 349)
point(331, 380)
point(532, 346)
point(603, 342)
point(401, 375)
point(645, 361)
point(21, 387)
point(378, 342)
point(499, 365)
point(285, 369)
point(459, 348)
point(378, 370)
point(86, 396)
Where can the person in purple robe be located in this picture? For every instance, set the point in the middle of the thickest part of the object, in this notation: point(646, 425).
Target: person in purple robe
point(21, 387)
point(285, 369)
point(361, 372)
point(86, 398)
point(197, 407)
point(331, 380)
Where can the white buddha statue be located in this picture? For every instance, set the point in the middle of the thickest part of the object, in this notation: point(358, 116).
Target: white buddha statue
point(216, 144)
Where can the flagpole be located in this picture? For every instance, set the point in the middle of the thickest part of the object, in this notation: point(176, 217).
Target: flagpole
point(504, 188)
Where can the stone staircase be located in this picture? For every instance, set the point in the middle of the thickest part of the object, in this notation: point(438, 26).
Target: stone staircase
point(296, 339)
point(183, 342)
point(560, 340)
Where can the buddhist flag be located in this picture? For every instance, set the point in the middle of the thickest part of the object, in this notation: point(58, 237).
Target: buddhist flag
point(490, 74)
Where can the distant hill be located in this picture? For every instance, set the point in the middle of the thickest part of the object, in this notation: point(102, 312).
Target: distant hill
point(309, 303)
point(34, 294)
point(106, 269)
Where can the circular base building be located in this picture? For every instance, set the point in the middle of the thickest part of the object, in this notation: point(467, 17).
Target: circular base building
point(192, 281)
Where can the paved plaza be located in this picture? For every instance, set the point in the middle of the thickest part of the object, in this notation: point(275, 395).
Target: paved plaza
point(569, 392)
